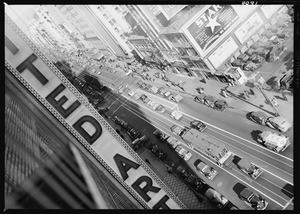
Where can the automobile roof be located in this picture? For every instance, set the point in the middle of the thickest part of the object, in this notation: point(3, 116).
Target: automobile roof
point(274, 138)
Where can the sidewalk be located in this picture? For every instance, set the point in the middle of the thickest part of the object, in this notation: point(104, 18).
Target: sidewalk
point(213, 87)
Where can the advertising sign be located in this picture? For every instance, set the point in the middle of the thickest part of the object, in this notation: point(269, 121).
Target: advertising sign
point(170, 10)
point(223, 52)
point(248, 28)
point(61, 98)
point(211, 25)
point(269, 10)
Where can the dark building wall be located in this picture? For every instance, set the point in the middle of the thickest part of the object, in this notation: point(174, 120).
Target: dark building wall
point(33, 137)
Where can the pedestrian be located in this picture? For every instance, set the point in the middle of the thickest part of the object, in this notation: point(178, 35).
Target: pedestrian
point(147, 161)
point(247, 94)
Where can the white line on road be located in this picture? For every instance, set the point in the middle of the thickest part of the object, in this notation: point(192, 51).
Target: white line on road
point(236, 136)
point(242, 180)
point(203, 155)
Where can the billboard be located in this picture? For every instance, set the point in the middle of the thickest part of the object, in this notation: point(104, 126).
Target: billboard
point(211, 25)
point(248, 28)
point(269, 10)
point(222, 52)
point(48, 85)
point(170, 10)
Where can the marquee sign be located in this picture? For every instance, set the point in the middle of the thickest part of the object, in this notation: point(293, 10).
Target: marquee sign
point(62, 99)
point(211, 25)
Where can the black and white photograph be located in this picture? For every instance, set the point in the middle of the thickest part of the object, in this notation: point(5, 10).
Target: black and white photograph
point(149, 106)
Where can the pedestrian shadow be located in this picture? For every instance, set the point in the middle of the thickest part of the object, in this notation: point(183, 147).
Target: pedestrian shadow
point(260, 106)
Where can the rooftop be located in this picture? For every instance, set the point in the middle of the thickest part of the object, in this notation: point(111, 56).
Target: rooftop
point(181, 18)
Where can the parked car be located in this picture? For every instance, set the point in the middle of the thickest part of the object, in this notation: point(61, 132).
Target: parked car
point(221, 105)
point(210, 100)
point(200, 98)
point(279, 123)
point(243, 57)
point(196, 124)
point(160, 135)
point(206, 170)
point(173, 142)
point(176, 115)
point(250, 66)
point(176, 130)
point(252, 199)
point(139, 142)
point(258, 117)
point(186, 155)
point(216, 198)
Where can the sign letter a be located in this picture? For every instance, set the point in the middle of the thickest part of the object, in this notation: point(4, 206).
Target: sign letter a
point(124, 165)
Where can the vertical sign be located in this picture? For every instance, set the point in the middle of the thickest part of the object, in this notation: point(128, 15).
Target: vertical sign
point(55, 92)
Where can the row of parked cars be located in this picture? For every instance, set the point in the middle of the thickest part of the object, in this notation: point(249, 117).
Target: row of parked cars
point(161, 91)
point(138, 140)
point(268, 48)
point(211, 101)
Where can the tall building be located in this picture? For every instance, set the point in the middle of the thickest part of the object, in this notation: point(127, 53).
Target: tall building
point(46, 117)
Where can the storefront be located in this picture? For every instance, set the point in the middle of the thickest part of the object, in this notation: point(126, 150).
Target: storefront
point(222, 32)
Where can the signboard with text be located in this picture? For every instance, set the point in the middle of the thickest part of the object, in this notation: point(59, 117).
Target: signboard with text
point(248, 28)
point(170, 10)
point(222, 52)
point(61, 98)
point(211, 25)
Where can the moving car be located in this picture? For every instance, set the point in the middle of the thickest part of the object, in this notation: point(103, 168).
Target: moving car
point(196, 124)
point(160, 108)
point(186, 155)
point(252, 199)
point(176, 130)
point(206, 170)
point(131, 93)
point(216, 198)
point(139, 142)
point(273, 141)
point(167, 94)
point(160, 135)
point(177, 98)
point(279, 123)
point(176, 115)
point(143, 97)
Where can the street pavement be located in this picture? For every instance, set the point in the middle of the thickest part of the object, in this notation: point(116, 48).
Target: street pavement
point(269, 70)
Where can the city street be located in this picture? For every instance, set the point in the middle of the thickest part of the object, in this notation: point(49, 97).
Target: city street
point(278, 169)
